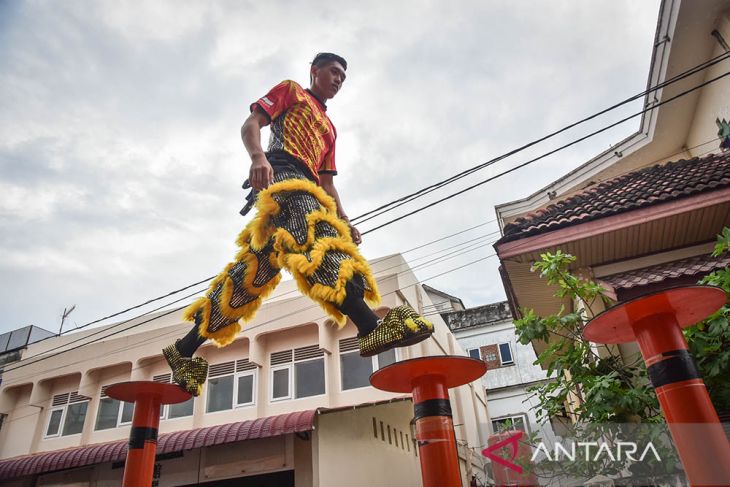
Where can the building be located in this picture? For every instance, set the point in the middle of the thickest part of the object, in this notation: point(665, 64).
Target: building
point(643, 215)
point(289, 402)
point(487, 333)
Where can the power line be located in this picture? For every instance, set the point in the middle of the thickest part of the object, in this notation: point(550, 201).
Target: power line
point(519, 166)
point(422, 192)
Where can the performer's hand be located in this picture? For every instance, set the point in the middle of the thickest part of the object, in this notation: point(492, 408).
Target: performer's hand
point(356, 237)
point(261, 174)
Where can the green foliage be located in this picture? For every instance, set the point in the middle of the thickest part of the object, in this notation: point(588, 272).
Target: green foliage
point(709, 340)
point(605, 388)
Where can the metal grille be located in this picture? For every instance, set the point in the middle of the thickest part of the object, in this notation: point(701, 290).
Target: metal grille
point(244, 364)
point(76, 397)
point(349, 344)
point(60, 399)
point(163, 378)
point(308, 352)
point(283, 357)
point(221, 369)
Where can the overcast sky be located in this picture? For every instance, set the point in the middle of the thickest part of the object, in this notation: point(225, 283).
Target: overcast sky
point(120, 151)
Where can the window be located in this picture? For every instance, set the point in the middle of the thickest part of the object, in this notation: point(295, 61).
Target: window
point(509, 423)
point(172, 411)
point(298, 374)
point(230, 385)
point(474, 353)
point(67, 414)
point(112, 413)
point(355, 370)
point(505, 354)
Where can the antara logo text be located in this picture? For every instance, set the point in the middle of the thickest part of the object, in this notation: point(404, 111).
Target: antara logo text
point(583, 450)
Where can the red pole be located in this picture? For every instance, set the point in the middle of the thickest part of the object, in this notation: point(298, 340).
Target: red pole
point(655, 321)
point(429, 380)
point(435, 433)
point(147, 398)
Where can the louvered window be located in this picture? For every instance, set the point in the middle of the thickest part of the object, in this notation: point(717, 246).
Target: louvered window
point(230, 384)
point(355, 370)
point(67, 414)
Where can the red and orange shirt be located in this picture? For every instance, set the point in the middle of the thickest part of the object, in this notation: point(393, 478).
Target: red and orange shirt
point(300, 127)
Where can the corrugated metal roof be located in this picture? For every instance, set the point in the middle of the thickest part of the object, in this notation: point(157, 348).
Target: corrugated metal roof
point(693, 266)
point(167, 443)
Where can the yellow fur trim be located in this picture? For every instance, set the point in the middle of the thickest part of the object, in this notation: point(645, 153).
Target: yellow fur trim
point(411, 324)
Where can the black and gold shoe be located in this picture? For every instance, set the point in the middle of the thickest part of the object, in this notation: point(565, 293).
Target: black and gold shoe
point(188, 373)
point(401, 327)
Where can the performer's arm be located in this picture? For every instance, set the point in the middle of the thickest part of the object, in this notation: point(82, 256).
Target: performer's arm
point(327, 182)
point(261, 175)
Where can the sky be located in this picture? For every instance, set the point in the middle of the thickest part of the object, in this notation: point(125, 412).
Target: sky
point(120, 152)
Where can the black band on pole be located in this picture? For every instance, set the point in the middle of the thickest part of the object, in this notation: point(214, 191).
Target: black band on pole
point(433, 407)
point(139, 435)
point(678, 366)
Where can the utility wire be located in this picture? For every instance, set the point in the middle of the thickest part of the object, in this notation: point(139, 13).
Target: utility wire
point(422, 192)
point(519, 166)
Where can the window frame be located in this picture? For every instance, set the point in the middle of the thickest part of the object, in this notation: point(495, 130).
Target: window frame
point(478, 351)
point(120, 411)
point(234, 393)
point(502, 362)
point(293, 382)
point(57, 434)
point(375, 364)
point(511, 417)
point(289, 386)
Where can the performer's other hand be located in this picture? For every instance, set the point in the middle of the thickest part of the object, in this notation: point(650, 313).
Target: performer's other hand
point(356, 237)
point(261, 174)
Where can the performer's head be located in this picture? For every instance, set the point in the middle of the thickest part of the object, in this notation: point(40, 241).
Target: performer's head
point(327, 74)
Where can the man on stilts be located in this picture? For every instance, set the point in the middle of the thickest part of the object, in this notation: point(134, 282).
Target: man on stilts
point(300, 226)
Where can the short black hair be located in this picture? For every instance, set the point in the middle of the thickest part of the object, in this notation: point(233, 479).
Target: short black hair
point(324, 57)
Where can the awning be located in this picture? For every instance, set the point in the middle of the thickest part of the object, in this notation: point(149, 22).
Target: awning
point(115, 451)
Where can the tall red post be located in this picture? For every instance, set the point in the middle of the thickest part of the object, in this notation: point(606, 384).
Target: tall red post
point(429, 380)
point(147, 398)
point(655, 321)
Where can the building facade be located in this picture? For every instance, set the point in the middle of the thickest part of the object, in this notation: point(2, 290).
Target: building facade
point(289, 402)
point(487, 333)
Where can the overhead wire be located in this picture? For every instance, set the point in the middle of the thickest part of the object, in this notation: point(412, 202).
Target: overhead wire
point(428, 189)
point(472, 186)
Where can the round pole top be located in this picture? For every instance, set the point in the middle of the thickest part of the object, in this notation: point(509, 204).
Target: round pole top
point(454, 370)
point(689, 305)
point(161, 392)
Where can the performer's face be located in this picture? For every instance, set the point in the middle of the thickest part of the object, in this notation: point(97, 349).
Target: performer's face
point(327, 80)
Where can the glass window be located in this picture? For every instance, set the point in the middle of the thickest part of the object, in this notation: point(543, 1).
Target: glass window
point(127, 412)
point(355, 370)
point(386, 358)
point(281, 383)
point(108, 413)
point(505, 354)
point(309, 378)
point(54, 423)
point(181, 409)
point(220, 393)
point(245, 389)
point(510, 423)
point(474, 353)
point(75, 415)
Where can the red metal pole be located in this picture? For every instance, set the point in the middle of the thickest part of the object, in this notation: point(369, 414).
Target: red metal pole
point(142, 443)
point(429, 380)
point(684, 400)
point(435, 433)
point(655, 321)
point(147, 398)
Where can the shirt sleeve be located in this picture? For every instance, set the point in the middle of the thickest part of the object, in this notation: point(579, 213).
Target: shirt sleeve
point(328, 164)
point(277, 100)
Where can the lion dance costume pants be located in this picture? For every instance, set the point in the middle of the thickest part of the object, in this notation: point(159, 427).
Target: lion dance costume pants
point(296, 229)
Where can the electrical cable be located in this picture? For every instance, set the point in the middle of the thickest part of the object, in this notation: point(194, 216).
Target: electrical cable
point(423, 191)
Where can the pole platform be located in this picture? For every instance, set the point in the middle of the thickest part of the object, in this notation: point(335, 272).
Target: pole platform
point(147, 398)
point(656, 321)
point(429, 380)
